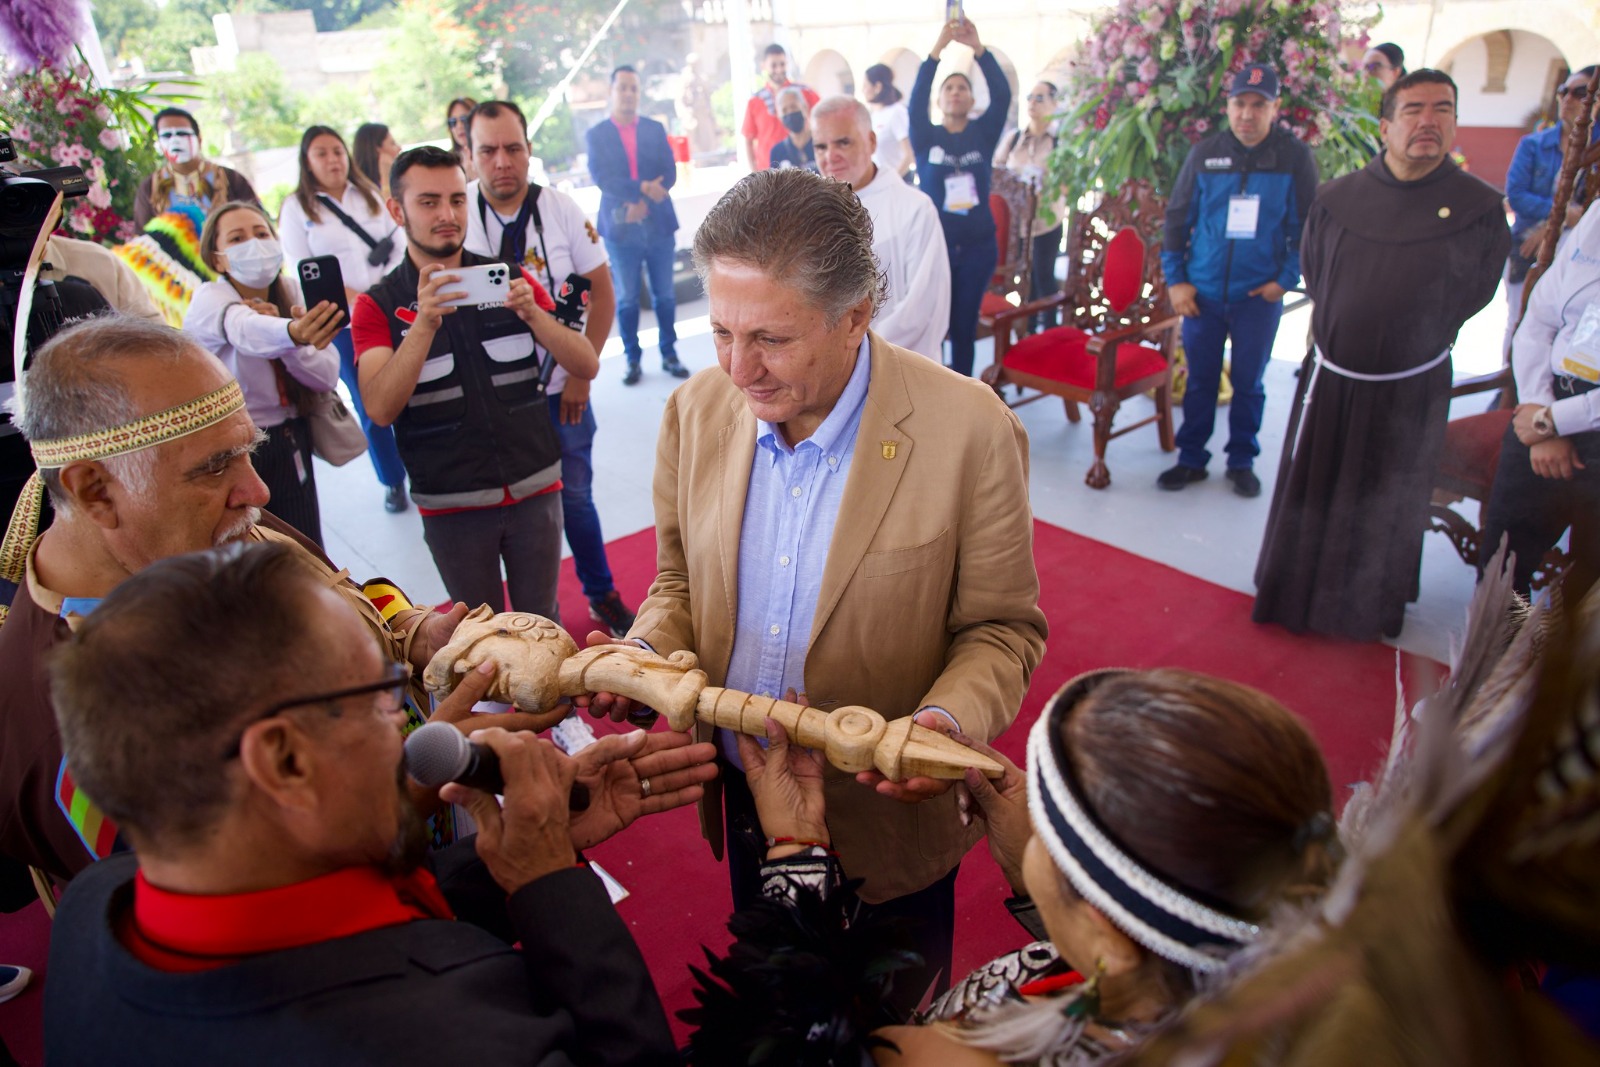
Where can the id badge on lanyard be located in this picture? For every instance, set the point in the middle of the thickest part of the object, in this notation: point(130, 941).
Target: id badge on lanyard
point(1243, 213)
point(960, 193)
point(1582, 360)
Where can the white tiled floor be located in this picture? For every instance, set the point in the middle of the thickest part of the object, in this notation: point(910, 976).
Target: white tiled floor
point(1204, 530)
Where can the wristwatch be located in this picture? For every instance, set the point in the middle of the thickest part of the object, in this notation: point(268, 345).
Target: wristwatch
point(1543, 423)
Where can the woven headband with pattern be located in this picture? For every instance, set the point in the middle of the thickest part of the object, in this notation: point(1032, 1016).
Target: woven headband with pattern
point(144, 432)
point(1143, 904)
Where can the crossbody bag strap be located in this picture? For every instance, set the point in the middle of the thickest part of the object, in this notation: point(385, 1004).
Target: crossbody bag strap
point(350, 224)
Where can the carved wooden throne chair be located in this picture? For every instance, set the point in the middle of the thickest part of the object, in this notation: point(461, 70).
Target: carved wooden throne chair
point(1120, 336)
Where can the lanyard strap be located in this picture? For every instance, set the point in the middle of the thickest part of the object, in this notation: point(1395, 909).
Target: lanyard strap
point(351, 224)
point(514, 234)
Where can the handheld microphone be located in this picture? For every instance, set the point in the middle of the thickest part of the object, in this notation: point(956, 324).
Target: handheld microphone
point(437, 753)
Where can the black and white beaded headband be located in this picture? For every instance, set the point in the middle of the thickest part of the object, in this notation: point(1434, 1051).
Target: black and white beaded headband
point(1147, 907)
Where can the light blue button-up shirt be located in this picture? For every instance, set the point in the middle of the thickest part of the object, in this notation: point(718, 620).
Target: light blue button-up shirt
point(789, 515)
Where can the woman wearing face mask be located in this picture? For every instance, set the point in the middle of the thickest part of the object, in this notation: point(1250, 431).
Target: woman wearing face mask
point(797, 149)
point(374, 151)
point(953, 168)
point(277, 350)
point(337, 211)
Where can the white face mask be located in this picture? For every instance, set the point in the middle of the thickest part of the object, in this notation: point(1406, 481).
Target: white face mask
point(255, 262)
point(179, 146)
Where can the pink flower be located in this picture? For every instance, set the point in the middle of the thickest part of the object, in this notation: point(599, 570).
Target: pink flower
point(109, 139)
point(99, 196)
point(1149, 70)
point(1202, 125)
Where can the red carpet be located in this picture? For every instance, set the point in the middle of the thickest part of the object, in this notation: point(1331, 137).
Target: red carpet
point(1105, 606)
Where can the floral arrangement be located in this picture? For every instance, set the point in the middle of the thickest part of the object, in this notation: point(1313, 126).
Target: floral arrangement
point(57, 120)
point(1153, 73)
point(57, 117)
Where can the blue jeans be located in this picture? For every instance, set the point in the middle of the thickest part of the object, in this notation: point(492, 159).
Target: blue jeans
point(655, 256)
point(971, 267)
point(578, 516)
point(1252, 323)
point(380, 439)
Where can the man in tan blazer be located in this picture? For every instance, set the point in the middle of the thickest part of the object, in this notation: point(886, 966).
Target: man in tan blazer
point(903, 577)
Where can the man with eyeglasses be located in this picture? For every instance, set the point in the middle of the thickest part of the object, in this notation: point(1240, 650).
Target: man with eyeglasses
point(143, 447)
point(1531, 188)
point(280, 906)
point(185, 177)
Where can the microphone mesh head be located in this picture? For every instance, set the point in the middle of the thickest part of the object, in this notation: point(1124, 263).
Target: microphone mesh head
point(435, 753)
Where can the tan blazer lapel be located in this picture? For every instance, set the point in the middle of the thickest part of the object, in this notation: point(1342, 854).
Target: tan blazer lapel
point(736, 449)
point(882, 453)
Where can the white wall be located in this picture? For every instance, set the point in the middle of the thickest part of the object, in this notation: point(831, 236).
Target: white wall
point(1531, 56)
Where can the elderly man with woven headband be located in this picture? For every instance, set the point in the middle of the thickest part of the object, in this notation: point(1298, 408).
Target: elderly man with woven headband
point(143, 443)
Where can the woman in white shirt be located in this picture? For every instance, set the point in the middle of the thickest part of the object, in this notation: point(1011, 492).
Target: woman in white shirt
point(279, 352)
point(336, 211)
point(890, 121)
point(1026, 153)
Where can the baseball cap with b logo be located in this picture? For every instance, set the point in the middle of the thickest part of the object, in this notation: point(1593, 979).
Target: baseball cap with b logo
point(1256, 78)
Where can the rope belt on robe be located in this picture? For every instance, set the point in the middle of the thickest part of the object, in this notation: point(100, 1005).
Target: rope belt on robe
point(147, 431)
point(1320, 361)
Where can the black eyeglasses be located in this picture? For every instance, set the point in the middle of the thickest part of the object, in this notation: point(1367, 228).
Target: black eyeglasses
point(396, 677)
point(1572, 90)
point(459, 120)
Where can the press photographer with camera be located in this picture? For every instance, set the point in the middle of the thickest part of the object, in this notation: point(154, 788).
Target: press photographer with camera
point(448, 349)
point(337, 211)
point(544, 231)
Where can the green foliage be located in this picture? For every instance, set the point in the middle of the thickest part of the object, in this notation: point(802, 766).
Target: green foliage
point(556, 143)
point(431, 59)
point(254, 102)
point(272, 199)
point(722, 107)
point(58, 117)
point(341, 106)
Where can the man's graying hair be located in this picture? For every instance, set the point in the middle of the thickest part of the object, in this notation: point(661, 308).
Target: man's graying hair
point(77, 384)
point(805, 231)
point(848, 105)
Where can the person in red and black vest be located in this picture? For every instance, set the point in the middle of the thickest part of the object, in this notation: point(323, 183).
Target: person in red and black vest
point(464, 388)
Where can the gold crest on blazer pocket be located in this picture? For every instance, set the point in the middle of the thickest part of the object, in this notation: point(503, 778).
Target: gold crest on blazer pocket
point(899, 560)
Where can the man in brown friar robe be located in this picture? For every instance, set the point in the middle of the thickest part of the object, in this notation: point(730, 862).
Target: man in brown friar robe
point(1396, 257)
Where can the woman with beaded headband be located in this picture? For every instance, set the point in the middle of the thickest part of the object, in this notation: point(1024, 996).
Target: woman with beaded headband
point(1163, 818)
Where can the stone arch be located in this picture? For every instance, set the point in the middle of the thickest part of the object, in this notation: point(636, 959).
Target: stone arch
point(1504, 76)
point(829, 74)
point(980, 92)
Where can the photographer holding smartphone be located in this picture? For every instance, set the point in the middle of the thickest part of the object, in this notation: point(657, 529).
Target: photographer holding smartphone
point(337, 211)
point(463, 388)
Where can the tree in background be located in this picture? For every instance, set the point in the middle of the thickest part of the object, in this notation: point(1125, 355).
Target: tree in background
point(432, 59)
point(249, 108)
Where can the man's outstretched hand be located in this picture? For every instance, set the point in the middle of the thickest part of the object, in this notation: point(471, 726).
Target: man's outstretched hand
point(616, 768)
point(612, 705)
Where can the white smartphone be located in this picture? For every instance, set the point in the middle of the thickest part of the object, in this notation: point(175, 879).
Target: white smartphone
point(487, 284)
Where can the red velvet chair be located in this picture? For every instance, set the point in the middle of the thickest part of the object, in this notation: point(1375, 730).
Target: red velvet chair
point(1013, 203)
point(1121, 333)
point(1467, 470)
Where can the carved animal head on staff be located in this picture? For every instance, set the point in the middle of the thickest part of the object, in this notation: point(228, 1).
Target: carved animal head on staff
point(528, 649)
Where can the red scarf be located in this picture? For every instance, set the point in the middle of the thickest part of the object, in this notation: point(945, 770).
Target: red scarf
point(183, 932)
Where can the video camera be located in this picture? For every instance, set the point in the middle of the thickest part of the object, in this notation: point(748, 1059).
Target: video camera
point(25, 201)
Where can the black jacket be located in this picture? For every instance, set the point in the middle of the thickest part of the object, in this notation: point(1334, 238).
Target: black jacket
point(424, 992)
point(477, 421)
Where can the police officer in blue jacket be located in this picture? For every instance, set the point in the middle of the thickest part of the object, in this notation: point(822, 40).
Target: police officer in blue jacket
point(1232, 250)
